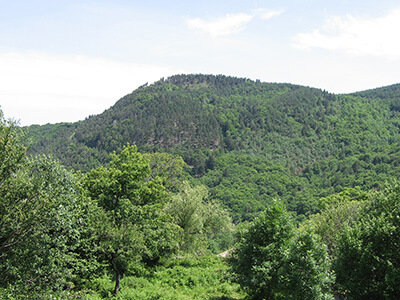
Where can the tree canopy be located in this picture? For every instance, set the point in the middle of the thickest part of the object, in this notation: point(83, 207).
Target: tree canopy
point(131, 201)
point(249, 142)
point(273, 261)
point(301, 172)
point(367, 264)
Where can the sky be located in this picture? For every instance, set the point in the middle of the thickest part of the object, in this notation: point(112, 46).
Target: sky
point(62, 61)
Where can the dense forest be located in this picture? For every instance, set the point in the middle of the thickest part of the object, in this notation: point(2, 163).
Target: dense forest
point(298, 184)
point(248, 142)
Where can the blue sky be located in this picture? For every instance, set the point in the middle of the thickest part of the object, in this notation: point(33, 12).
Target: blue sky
point(61, 61)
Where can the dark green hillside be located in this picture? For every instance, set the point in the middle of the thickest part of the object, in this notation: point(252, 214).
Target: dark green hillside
point(389, 94)
point(183, 112)
point(193, 112)
point(248, 141)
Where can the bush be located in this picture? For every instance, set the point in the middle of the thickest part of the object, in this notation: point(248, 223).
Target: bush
point(273, 261)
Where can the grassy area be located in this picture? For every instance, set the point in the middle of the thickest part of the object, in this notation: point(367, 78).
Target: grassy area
point(188, 278)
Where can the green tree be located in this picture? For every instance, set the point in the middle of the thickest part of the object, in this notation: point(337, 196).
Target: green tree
point(367, 264)
point(41, 218)
point(12, 148)
point(13, 210)
point(200, 219)
point(134, 227)
point(271, 261)
point(305, 272)
point(257, 258)
point(170, 168)
point(339, 211)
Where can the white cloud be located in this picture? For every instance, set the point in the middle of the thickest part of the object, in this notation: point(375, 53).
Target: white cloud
point(356, 35)
point(266, 14)
point(230, 23)
point(41, 88)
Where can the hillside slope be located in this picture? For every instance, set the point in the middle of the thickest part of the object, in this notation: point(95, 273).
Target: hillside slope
point(249, 142)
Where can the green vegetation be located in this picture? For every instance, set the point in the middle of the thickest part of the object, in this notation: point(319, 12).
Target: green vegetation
point(248, 142)
point(69, 235)
point(300, 186)
point(200, 220)
point(367, 264)
point(272, 261)
point(133, 226)
point(187, 278)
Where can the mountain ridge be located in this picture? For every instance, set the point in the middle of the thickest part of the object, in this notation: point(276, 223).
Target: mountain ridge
point(311, 143)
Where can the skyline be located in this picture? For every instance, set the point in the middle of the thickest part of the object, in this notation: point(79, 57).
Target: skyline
point(63, 61)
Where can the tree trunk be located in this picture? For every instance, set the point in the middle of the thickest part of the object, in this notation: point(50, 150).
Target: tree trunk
point(117, 273)
point(117, 281)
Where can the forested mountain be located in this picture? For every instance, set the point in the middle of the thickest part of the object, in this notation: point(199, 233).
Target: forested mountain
point(248, 141)
point(298, 184)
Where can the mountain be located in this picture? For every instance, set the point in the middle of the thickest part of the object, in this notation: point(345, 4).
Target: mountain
point(248, 141)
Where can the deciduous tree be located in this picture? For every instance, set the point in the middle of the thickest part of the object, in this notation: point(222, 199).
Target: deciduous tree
point(135, 227)
point(272, 261)
point(199, 218)
point(367, 264)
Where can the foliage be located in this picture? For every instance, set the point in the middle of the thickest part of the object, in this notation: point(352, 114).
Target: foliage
point(200, 278)
point(134, 227)
point(367, 264)
point(170, 168)
point(305, 273)
point(41, 219)
point(339, 212)
point(12, 148)
point(249, 142)
point(271, 261)
point(200, 220)
point(12, 159)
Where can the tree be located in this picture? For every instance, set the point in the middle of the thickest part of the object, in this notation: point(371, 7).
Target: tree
point(339, 211)
point(257, 258)
point(367, 264)
point(40, 227)
point(12, 158)
point(12, 148)
point(272, 261)
point(305, 272)
point(40, 219)
point(199, 218)
point(134, 227)
point(170, 168)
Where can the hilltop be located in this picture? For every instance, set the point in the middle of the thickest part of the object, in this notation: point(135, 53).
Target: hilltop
point(248, 141)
